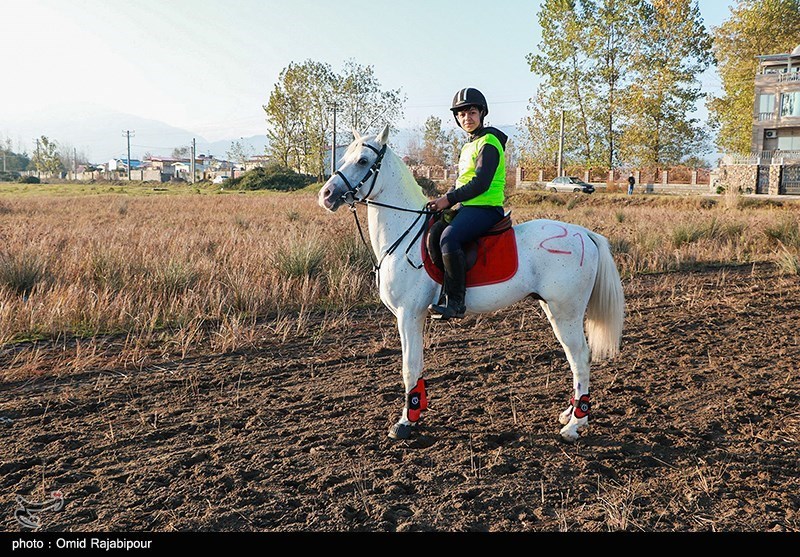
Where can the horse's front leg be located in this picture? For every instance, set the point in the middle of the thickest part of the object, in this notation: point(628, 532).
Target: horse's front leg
point(411, 326)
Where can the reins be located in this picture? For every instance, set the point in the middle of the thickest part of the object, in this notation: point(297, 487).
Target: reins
point(350, 198)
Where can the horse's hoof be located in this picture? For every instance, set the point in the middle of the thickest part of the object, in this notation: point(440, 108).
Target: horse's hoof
point(400, 431)
point(569, 435)
point(572, 432)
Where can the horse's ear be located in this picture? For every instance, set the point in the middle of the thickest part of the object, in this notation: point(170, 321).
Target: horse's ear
point(356, 135)
point(383, 137)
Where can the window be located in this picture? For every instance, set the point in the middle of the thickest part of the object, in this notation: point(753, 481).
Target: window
point(790, 104)
point(789, 143)
point(766, 103)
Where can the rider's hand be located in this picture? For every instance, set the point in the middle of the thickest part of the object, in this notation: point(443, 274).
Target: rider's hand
point(439, 204)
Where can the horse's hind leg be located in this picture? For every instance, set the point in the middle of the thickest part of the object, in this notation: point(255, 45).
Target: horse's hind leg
point(567, 323)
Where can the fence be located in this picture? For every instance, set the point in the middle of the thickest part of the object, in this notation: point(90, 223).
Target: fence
point(650, 180)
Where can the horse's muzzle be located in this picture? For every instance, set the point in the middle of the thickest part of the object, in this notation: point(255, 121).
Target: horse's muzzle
point(329, 196)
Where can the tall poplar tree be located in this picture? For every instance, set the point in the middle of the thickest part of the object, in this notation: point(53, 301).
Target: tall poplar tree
point(562, 58)
point(755, 27)
point(672, 48)
point(624, 71)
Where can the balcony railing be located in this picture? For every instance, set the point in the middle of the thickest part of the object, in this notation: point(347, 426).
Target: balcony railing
point(762, 116)
point(788, 77)
point(764, 157)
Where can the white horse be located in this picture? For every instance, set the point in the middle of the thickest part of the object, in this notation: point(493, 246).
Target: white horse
point(568, 268)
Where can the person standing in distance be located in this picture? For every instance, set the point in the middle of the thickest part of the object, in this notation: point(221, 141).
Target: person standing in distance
point(631, 182)
point(480, 191)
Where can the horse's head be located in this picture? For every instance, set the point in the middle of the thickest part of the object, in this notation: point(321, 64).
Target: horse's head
point(356, 177)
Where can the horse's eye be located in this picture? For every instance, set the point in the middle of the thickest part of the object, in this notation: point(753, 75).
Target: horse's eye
point(362, 161)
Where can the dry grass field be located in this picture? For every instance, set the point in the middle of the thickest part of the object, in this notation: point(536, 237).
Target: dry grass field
point(223, 362)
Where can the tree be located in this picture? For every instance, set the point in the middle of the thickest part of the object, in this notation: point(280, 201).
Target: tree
point(239, 152)
point(755, 27)
point(366, 107)
point(672, 49)
point(624, 74)
point(71, 157)
point(182, 152)
point(611, 29)
point(541, 128)
point(435, 145)
point(300, 111)
point(46, 158)
point(563, 59)
point(11, 161)
point(583, 57)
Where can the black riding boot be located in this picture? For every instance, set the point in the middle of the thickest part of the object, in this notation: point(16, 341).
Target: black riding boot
point(455, 279)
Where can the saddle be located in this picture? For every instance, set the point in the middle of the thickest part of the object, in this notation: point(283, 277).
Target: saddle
point(491, 258)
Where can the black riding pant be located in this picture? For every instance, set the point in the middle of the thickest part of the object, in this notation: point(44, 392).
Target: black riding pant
point(469, 223)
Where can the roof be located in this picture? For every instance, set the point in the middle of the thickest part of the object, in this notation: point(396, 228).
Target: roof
point(780, 57)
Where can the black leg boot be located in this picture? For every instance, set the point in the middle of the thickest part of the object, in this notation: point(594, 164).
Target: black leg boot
point(455, 277)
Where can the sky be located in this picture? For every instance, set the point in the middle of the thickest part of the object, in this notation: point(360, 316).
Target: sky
point(208, 66)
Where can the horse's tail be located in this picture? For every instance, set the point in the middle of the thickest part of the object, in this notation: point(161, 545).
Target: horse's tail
point(606, 311)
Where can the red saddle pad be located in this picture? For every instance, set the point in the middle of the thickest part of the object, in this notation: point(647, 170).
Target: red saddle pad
point(496, 260)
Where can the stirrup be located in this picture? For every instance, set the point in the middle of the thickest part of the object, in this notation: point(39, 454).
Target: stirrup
point(443, 313)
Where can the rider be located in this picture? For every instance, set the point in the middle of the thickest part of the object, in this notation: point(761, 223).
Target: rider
point(479, 188)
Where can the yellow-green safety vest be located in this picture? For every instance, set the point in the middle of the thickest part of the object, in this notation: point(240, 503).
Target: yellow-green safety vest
point(495, 195)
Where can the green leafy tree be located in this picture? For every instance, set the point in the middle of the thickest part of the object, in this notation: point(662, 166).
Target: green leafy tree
point(755, 27)
point(583, 57)
point(672, 49)
point(285, 123)
point(46, 158)
point(541, 129)
point(624, 74)
point(301, 106)
point(435, 144)
point(563, 58)
point(11, 161)
point(611, 28)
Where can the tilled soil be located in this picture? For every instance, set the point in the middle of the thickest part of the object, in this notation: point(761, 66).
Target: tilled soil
point(694, 427)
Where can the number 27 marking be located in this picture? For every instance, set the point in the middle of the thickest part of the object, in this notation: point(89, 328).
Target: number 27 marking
point(562, 235)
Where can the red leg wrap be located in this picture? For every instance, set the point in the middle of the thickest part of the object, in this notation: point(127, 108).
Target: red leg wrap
point(417, 400)
point(582, 407)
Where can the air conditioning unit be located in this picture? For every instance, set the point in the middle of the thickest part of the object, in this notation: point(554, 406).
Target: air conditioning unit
point(770, 134)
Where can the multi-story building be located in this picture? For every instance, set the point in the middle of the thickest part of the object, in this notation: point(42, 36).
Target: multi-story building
point(776, 125)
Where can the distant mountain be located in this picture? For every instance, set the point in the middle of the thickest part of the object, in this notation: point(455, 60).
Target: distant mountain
point(99, 134)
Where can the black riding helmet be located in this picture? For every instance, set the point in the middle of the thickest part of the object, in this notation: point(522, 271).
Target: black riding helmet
point(467, 97)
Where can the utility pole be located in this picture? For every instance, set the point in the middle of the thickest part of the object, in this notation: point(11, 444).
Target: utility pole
point(194, 147)
point(561, 146)
point(333, 144)
point(127, 133)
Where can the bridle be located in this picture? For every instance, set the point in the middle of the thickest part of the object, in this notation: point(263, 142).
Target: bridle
point(350, 197)
point(372, 172)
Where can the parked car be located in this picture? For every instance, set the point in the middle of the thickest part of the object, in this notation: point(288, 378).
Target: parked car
point(569, 183)
point(219, 179)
